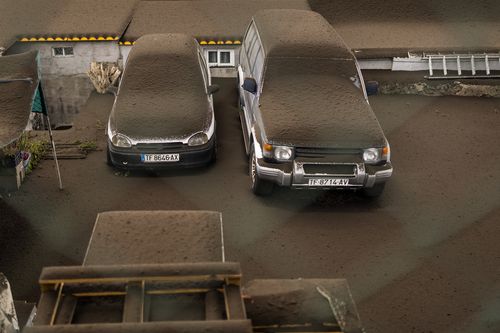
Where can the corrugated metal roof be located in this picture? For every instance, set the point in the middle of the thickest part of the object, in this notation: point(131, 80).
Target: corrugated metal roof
point(16, 93)
point(63, 18)
point(215, 19)
point(393, 28)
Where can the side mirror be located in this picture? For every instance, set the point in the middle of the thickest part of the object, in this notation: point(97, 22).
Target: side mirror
point(371, 88)
point(250, 85)
point(212, 89)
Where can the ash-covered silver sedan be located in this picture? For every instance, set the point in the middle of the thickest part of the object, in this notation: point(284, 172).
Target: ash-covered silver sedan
point(163, 113)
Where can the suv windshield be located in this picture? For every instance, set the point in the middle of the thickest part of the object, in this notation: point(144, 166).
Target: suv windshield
point(312, 78)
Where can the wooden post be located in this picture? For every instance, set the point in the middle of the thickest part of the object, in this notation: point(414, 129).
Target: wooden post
point(54, 151)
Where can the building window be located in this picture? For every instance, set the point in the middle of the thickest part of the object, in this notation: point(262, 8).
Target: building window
point(62, 51)
point(225, 57)
point(220, 58)
point(212, 58)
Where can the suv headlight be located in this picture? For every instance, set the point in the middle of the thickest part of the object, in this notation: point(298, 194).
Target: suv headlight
point(120, 140)
point(279, 153)
point(283, 153)
point(198, 139)
point(376, 155)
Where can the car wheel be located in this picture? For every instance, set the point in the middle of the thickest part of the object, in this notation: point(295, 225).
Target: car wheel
point(108, 157)
point(259, 186)
point(373, 192)
point(214, 152)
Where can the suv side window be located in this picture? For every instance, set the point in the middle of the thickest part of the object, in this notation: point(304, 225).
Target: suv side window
point(258, 66)
point(249, 44)
point(254, 53)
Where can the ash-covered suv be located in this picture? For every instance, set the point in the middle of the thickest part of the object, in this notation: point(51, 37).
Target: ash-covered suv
point(305, 115)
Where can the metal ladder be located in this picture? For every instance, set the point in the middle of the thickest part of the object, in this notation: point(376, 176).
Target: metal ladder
point(475, 66)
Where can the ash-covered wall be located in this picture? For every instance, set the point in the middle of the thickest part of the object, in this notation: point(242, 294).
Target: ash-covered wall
point(65, 82)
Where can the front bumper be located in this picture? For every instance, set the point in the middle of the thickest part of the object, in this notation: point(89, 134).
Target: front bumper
point(294, 174)
point(130, 158)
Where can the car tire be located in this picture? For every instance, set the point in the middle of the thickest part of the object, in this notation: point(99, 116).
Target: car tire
point(109, 162)
point(373, 192)
point(214, 152)
point(259, 186)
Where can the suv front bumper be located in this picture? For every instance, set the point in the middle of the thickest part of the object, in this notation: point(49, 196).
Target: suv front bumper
point(293, 174)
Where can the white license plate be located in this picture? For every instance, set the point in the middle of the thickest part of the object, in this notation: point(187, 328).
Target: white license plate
point(159, 158)
point(328, 182)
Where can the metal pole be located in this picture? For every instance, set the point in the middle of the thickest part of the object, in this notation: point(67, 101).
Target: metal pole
point(54, 150)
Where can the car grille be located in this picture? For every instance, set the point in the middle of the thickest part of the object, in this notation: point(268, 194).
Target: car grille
point(158, 146)
point(324, 152)
point(330, 169)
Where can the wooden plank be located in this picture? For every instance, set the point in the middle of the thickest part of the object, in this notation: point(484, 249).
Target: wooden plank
point(208, 271)
point(147, 307)
point(133, 309)
point(57, 303)
point(213, 307)
point(46, 304)
point(235, 308)
point(219, 326)
point(67, 310)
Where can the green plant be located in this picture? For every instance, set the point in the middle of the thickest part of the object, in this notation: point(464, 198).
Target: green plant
point(88, 146)
point(37, 148)
point(10, 150)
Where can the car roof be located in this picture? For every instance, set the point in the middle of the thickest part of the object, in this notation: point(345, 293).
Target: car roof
point(299, 33)
point(162, 93)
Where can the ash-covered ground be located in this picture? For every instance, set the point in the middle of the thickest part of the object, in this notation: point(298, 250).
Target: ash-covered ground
point(425, 257)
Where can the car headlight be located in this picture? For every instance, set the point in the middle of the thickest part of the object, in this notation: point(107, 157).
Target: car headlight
point(376, 155)
point(283, 153)
point(371, 155)
point(120, 140)
point(198, 139)
point(279, 153)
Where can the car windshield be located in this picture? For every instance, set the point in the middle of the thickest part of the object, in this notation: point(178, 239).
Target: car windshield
point(161, 74)
point(309, 76)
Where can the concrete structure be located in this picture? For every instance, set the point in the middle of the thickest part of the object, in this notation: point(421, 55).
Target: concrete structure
point(19, 92)
point(89, 30)
point(65, 80)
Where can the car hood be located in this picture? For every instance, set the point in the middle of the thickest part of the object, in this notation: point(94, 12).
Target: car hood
point(171, 115)
point(317, 106)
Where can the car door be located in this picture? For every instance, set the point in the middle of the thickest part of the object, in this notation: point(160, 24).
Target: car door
point(251, 46)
